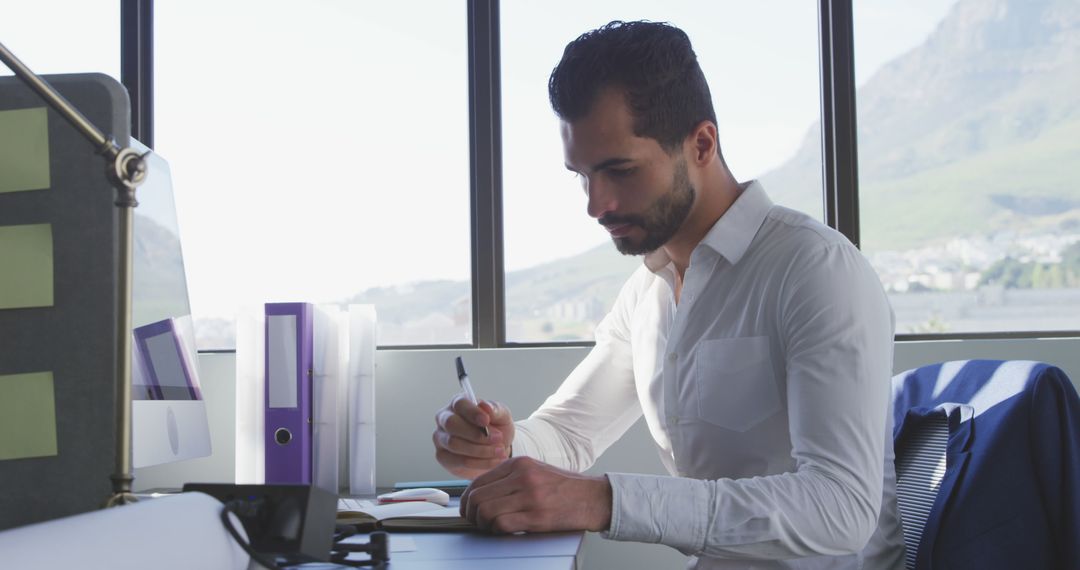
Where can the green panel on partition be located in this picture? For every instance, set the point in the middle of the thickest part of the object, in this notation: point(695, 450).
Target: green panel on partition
point(24, 150)
point(26, 266)
point(27, 416)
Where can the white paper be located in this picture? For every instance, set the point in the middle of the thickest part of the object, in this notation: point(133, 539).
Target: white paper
point(331, 365)
point(250, 393)
point(362, 343)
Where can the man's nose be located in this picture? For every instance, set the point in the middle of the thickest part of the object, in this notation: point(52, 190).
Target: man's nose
point(601, 198)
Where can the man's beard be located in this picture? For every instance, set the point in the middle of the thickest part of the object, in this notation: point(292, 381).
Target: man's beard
point(661, 220)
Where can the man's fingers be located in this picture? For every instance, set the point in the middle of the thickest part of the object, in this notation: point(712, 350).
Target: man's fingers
point(499, 413)
point(463, 446)
point(494, 474)
point(442, 416)
point(454, 424)
point(514, 522)
point(469, 411)
point(490, 485)
point(486, 512)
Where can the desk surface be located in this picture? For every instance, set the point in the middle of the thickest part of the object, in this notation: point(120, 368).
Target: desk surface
point(481, 551)
point(545, 563)
point(474, 551)
point(473, 546)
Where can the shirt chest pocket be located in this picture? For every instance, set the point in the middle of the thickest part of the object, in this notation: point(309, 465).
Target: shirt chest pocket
point(734, 381)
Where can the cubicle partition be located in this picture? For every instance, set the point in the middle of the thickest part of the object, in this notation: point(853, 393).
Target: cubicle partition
point(58, 301)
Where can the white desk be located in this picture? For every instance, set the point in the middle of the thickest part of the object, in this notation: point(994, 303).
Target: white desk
point(475, 551)
point(478, 550)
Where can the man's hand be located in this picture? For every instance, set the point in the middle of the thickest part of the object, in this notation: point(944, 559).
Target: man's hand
point(460, 444)
point(524, 494)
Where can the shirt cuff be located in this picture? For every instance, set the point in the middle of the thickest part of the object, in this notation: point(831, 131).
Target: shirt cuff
point(668, 510)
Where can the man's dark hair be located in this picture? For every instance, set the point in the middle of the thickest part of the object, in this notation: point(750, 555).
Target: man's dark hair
point(652, 63)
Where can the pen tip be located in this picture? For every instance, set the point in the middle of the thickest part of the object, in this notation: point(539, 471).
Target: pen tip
point(460, 367)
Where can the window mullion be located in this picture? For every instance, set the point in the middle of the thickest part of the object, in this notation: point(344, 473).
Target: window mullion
point(489, 307)
point(840, 164)
point(137, 65)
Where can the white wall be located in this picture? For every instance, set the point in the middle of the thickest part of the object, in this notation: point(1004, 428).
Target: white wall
point(412, 385)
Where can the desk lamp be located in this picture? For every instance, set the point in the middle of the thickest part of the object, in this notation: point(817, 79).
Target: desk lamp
point(126, 169)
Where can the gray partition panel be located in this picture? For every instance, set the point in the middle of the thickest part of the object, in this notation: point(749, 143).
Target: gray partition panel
point(75, 338)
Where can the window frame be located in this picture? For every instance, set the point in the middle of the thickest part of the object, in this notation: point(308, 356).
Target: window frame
point(838, 132)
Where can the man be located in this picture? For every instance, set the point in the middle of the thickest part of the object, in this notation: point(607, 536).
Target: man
point(756, 342)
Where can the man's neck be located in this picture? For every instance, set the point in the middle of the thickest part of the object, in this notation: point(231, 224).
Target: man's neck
point(713, 201)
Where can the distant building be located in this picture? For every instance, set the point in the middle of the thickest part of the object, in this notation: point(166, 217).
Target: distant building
point(577, 310)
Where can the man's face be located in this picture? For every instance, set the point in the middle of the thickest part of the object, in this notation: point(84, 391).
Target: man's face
point(636, 190)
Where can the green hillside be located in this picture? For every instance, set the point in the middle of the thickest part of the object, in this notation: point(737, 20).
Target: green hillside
point(598, 273)
point(414, 301)
point(595, 274)
point(975, 131)
point(992, 190)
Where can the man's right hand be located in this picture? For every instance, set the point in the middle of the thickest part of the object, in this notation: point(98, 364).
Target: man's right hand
point(460, 444)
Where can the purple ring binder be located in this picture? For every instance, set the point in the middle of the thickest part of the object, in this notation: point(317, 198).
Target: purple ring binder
point(288, 401)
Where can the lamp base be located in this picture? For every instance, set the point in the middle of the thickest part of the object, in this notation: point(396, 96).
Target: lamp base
point(121, 499)
point(122, 494)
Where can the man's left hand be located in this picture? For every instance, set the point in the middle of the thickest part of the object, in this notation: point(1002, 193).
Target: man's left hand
point(523, 494)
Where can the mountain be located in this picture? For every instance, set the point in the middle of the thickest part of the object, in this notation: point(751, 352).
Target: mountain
point(976, 130)
point(159, 288)
point(598, 273)
point(595, 274)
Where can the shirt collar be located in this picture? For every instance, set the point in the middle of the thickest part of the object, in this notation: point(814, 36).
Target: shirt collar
point(732, 234)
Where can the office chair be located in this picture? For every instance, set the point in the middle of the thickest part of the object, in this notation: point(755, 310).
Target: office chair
point(988, 465)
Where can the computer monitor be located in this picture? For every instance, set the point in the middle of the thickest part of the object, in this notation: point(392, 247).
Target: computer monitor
point(169, 421)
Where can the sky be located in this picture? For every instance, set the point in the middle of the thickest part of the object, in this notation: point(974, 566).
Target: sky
point(319, 148)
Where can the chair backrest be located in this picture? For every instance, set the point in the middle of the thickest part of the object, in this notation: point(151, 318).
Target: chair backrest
point(920, 466)
point(988, 464)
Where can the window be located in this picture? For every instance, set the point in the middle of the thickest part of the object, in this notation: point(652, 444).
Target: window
point(86, 39)
point(968, 126)
point(344, 146)
point(320, 152)
point(563, 273)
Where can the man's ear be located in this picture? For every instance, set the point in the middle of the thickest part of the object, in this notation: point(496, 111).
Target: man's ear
point(703, 144)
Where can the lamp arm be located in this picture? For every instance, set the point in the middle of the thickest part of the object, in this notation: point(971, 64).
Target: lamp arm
point(126, 170)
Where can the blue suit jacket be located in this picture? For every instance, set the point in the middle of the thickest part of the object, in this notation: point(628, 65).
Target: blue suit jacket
point(1010, 497)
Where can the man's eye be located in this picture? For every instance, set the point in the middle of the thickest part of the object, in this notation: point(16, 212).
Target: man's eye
point(621, 172)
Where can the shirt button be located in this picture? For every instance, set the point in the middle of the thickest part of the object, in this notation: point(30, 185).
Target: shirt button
point(672, 357)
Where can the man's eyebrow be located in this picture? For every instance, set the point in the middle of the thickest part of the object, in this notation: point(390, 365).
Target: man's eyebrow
point(604, 164)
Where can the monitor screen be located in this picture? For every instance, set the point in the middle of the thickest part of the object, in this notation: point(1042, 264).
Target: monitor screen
point(169, 417)
point(164, 353)
point(163, 369)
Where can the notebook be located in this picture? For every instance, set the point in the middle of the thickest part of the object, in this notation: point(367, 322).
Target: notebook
point(416, 516)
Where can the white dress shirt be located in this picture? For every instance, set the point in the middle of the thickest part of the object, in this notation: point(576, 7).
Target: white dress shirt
point(766, 390)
